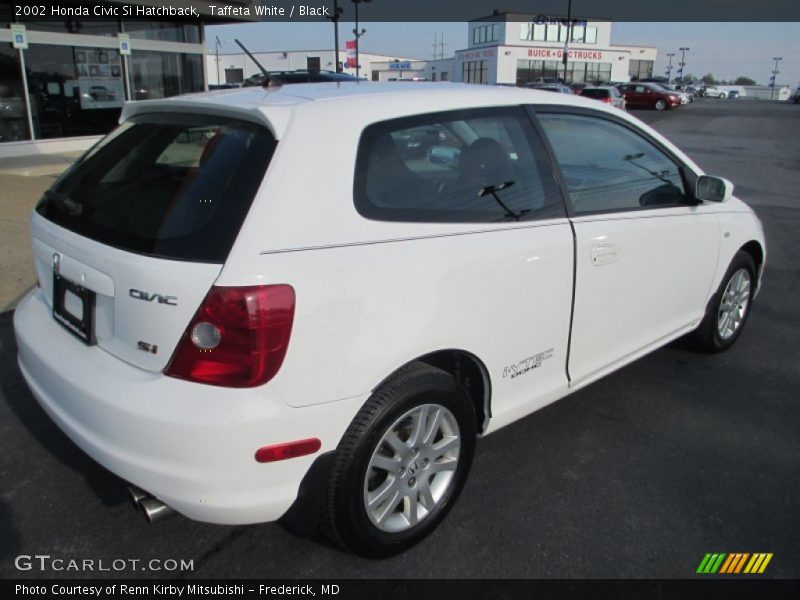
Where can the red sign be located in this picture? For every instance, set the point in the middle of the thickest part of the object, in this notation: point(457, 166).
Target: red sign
point(350, 45)
point(473, 54)
point(558, 53)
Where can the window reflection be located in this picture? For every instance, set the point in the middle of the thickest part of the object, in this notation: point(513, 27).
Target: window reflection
point(74, 90)
point(164, 74)
point(13, 117)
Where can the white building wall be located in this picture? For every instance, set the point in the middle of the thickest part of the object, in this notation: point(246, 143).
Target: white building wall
point(286, 61)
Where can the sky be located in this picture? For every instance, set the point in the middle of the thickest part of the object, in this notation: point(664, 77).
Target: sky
point(725, 50)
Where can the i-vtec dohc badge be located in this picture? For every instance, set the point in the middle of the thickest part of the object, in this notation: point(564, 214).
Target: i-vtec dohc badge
point(149, 297)
point(527, 365)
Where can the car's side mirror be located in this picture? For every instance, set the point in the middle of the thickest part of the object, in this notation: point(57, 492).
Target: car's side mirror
point(713, 189)
point(444, 155)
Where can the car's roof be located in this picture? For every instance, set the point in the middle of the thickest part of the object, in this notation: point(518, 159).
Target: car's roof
point(395, 99)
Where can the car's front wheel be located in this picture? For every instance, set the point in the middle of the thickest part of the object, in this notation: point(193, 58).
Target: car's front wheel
point(661, 104)
point(402, 463)
point(729, 308)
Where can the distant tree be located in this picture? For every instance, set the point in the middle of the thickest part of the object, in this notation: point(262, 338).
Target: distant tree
point(688, 79)
point(742, 80)
point(708, 79)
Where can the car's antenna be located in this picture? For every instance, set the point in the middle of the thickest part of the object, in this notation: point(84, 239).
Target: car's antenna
point(267, 79)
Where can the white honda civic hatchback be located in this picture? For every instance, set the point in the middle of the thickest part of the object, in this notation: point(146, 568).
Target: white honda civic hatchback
point(306, 303)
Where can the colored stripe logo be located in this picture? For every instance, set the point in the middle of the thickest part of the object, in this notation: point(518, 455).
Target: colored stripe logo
point(734, 563)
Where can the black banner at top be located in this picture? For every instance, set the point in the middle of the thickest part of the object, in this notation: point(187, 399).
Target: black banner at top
point(402, 10)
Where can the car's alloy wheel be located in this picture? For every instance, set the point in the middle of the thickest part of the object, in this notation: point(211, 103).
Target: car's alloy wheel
point(729, 308)
point(733, 304)
point(660, 105)
point(402, 462)
point(412, 468)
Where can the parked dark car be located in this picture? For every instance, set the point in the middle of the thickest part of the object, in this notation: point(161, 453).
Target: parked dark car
point(300, 76)
point(606, 94)
point(577, 87)
point(649, 95)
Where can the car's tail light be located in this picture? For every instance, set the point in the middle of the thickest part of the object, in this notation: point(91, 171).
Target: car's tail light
point(237, 338)
point(606, 100)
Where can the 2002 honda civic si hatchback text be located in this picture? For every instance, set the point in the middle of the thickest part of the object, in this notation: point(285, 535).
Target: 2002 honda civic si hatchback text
point(308, 302)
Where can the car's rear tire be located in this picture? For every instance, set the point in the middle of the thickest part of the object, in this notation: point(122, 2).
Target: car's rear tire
point(722, 96)
point(729, 308)
point(401, 464)
point(661, 104)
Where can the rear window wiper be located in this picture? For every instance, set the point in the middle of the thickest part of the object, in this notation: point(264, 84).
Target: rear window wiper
point(64, 202)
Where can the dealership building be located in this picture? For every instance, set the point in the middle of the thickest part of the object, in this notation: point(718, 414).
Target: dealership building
point(510, 48)
point(63, 81)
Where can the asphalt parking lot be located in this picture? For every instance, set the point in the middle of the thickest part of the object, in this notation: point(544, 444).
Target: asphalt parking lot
point(638, 475)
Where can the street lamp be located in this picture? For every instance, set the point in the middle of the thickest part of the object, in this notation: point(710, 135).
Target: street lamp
point(682, 64)
point(566, 41)
point(774, 76)
point(669, 66)
point(358, 32)
point(337, 13)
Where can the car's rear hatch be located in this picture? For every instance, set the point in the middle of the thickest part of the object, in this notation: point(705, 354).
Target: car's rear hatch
point(128, 242)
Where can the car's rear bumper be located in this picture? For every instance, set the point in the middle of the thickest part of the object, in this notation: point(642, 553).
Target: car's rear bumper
point(190, 445)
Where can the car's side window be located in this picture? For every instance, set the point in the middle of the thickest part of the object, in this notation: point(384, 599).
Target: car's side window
point(481, 165)
point(609, 167)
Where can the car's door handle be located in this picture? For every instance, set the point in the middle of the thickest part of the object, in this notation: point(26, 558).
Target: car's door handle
point(603, 254)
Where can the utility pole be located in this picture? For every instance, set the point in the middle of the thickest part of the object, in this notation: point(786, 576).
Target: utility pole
point(358, 33)
point(569, 35)
point(669, 66)
point(435, 45)
point(337, 13)
point(682, 64)
point(216, 44)
point(774, 76)
point(442, 45)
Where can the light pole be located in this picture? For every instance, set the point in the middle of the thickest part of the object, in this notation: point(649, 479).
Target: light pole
point(774, 76)
point(681, 64)
point(216, 45)
point(566, 41)
point(358, 32)
point(337, 13)
point(669, 66)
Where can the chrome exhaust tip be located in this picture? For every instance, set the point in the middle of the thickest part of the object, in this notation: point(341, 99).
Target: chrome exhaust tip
point(137, 495)
point(154, 509)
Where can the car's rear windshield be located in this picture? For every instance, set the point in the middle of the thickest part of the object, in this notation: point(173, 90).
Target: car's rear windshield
point(595, 93)
point(168, 185)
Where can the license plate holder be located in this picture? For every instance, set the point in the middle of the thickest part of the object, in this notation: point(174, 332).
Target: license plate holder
point(66, 295)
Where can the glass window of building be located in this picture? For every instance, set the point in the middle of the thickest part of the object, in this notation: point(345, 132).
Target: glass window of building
point(539, 33)
point(591, 35)
point(13, 114)
point(640, 69)
point(578, 33)
point(475, 71)
point(164, 74)
point(74, 91)
point(552, 33)
point(495, 32)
